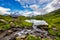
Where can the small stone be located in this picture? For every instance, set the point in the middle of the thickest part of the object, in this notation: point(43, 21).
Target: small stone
point(54, 28)
point(10, 31)
point(23, 36)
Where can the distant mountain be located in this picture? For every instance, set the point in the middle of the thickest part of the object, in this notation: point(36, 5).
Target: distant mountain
point(15, 14)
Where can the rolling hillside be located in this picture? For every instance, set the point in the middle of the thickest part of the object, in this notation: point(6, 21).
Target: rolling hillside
point(53, 18)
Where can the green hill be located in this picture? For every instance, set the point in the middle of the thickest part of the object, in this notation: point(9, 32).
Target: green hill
point(53, 18)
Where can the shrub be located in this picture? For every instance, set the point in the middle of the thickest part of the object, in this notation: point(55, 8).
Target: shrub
point(52, 32)
point(4, 27)
point(57, 38)
point(31, 37)
point(38, 38)
point(58, 34)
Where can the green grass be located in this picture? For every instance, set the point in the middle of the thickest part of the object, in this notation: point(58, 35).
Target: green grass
point(19, 22)
point(53, 18)
point(32, 37)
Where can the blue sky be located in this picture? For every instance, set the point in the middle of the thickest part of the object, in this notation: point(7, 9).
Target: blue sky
point(29, 5)
point(12, 4)
point(15, 5)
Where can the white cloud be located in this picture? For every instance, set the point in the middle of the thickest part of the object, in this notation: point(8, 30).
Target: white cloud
point(4, 11)
point(31, 2)
point(51, 6)
point(43, 1)
point(34, 7)
point(55, 4)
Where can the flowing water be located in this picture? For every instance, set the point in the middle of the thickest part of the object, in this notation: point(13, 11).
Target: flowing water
point(35, 29)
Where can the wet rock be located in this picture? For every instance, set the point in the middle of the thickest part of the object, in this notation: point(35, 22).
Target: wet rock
point(3, 34)
point(16, 29)
point(9, 37)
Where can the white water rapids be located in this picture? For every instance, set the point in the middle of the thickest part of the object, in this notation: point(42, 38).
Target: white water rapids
point(35, 29)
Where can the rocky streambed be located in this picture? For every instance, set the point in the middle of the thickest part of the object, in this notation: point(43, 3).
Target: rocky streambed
point(12, 33)
point(22, 33)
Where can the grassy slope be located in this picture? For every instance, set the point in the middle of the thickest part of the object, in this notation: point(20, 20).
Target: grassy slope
point(3, 25)
point(15, 22)
point(53, 18)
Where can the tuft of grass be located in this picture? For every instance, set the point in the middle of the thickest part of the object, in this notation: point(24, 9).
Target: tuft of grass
point(32, 37)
